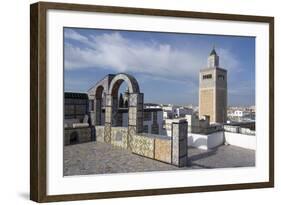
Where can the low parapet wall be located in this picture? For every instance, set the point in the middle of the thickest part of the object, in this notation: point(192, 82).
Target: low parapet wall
point(241, 140)
point(77, 135)
point(154, 147)
point(172, 150)
point(209, 141)
point(119, 136)
point(205, 142)
point(99, 133)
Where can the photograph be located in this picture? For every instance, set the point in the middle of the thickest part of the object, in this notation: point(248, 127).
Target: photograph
point(130, 101)
point(147, 101)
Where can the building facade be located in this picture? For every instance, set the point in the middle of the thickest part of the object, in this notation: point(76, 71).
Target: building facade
point(75, 108)
point(76, 118)
point(152, 119)
point(213, 90)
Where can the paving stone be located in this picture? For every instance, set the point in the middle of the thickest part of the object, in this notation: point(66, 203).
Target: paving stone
point(101, 158)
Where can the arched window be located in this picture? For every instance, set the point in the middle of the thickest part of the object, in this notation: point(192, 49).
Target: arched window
point(98, 106)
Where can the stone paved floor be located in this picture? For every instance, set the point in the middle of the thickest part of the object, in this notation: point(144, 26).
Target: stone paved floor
point(100, 158)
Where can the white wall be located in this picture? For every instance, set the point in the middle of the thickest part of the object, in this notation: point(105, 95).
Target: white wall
point(218, 138)
point(241, 140)
point(14, 81)
point(205, 141)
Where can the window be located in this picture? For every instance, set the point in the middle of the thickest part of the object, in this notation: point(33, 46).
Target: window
point(147, 116)
point(145, 128)
point(208, 76)
point(221, 77)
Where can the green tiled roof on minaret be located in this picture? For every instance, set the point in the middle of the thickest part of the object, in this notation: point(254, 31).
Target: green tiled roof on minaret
point(213, 52)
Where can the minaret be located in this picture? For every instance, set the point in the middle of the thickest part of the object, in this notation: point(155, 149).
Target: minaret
point(126, 98)
point(213, 59)
point(213, 90)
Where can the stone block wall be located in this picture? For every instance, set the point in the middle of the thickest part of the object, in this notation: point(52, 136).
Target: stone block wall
point(179, 143)
point(77, 135)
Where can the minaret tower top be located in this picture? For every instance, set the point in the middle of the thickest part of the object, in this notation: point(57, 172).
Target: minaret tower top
point(213, 59)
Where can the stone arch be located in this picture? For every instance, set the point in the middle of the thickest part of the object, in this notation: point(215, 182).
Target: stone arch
point(98, 105)
point(95, 96)
point(135, 107)
point(132, 83)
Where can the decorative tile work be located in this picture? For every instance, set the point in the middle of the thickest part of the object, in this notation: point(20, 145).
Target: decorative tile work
point(107, 133)
point(163, 150)
point(119, 136)
point(136, 99)
point(143, 146)
point(131, 134)
point(132, 116)
point(99, 133)
point(150, 145)
point(133, 99)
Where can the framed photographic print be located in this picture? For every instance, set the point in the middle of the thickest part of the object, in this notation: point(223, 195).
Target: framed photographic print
point(134, 102)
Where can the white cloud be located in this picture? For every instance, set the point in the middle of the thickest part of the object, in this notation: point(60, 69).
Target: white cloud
point(71, 34)
point(115, 52)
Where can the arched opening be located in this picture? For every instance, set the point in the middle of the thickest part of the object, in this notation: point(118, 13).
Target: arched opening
point(120, 96)
point(134, 118)
point(99, 105)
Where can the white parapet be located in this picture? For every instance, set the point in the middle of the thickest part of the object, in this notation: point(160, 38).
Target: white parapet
point(80, 125)
point(205, 142)
point(241, 140)
point(209, 141)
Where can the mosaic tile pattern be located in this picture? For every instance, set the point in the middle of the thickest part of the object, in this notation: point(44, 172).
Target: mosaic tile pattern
point(119, 136)
point(99, 133)
point(171, 151)
point(143, 146)
point(132, 116)
point(131, 134)
point(107, 133)
point(135, 99)
point(163, 150)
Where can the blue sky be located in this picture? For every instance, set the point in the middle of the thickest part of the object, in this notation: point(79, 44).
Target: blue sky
point(166, 65)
